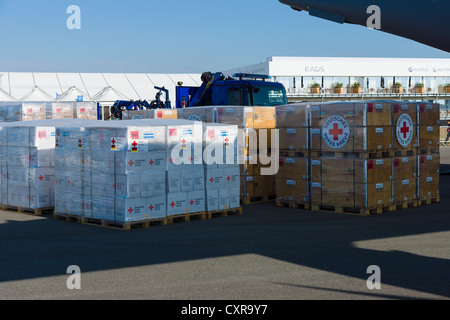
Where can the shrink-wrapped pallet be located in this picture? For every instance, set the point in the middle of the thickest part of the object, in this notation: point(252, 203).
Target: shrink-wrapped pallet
point(27, 164)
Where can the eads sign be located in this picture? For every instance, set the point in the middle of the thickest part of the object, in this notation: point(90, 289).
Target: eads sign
point(404, 130)
point(336, 132)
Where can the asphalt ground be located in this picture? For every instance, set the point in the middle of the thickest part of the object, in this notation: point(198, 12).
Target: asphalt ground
point(267, 253)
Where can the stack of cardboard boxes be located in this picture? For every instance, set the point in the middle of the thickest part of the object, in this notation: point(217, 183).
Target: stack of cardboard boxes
point(360, 157)
point(28, 111)
point(141, 170)
point(256, 127)
point(26, 164)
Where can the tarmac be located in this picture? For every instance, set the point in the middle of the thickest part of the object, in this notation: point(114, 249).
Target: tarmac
point(267, 253)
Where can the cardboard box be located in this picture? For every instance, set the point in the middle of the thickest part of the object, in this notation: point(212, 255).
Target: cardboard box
point(212, 200)
point(130, 210)
point(153, 184)
point(405, 189)
point(293, 138)
point(156, 207)
point(196, 201)
point(177, 203)
point(288, 189)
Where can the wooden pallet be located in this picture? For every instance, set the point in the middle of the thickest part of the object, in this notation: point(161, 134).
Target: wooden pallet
point(404, 152)
point(429, 200)
point(223, 212)
point(34, 211)
point(257, 199)
point(353, 211)
point(187, 217)
point(293, 204)
point(110, 224)
point(294, 153)
point(433, 150)
point(406, 204)
point(361, 155)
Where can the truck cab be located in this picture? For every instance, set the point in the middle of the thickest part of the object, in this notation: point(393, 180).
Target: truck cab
point(240, 90)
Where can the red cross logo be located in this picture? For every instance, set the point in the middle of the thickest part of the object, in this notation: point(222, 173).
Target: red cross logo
point(130, 210)
point(228, 178)
point(68, 182)
point(131, 163)
point(151, 162)
point(113, 141)
point(151, 207)
point(192, 202)
point(184, 141)
point(171, 160)
point(172, 204)
point(404, 129)
point(211, 180)
point(226, 139)
point(335, 132)
point(134, 144)
point(41, 178)
point(80, 141)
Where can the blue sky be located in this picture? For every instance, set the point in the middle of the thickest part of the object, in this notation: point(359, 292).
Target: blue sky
point(178, 36)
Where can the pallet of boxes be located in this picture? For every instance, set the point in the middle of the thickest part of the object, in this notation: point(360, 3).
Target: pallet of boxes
point(360, 157)
point(256, 126)
point(136, 173)
point(27, 166)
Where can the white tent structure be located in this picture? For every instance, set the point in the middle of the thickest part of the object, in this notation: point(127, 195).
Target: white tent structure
point(74, 94)
point(37, 94)
point(103, 88)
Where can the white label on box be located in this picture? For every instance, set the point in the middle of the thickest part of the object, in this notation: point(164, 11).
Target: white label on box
point(429, 179)
point(405, 159)
point(379, 130)
point(290, 109)
point(316, 162)
point(118, 144)
point(248, 109)
point(315, 108)
point(379, 161)
point(404, 106)
point(405, 181)
point(290, 131)
point(315, 131)
point(429, 157)
point(379, 186)
point(378, 106)
point(291, 182)
point(290, 160)
point(249, 178)
point(229, 110)
point(429, 106)
point(138, 146)
point(429, 128)
point(316, 185)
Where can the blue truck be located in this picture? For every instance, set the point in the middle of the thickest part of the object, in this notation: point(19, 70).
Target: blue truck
point(242, 89)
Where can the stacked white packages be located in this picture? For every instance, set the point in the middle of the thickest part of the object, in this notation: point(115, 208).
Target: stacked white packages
point(185, 173)
point(222, 174)
point(138, 170)
point(26, 164)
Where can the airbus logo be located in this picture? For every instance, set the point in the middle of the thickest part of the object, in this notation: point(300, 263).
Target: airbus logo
point(411, 69)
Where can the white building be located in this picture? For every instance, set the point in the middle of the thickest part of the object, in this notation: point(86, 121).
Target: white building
point(375, 75)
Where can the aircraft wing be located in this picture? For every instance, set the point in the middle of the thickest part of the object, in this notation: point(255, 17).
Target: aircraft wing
point(424, 21)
